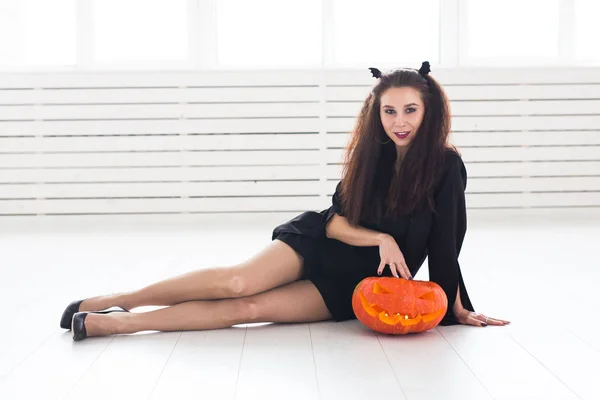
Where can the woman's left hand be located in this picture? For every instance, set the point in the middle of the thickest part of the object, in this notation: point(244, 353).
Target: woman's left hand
point(467, 317)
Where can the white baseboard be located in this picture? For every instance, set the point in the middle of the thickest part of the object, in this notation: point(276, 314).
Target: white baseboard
point(266, 221)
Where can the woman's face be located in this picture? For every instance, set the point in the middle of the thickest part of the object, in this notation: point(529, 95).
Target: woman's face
point(401, 112)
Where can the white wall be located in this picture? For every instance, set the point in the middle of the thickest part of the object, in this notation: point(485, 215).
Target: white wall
point(271, 141)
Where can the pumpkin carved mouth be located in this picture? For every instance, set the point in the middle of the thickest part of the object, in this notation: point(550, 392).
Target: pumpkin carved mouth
point(404, 319)
point(393, 305)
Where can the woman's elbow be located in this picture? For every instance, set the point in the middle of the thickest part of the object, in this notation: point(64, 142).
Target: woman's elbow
point(328, 229)
point(330, 226)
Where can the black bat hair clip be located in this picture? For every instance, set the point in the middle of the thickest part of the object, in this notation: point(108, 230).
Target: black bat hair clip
point(425, 68)
point(376, 73)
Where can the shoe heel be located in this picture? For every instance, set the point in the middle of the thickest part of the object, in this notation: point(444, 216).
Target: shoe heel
point(67, 316)
point(73, 308)
point(78, 326)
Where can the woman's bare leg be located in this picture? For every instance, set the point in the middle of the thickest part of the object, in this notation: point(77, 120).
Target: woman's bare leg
point(299, 301)
point(276, 265)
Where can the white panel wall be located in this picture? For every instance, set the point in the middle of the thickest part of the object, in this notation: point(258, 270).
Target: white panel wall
point(244, 142)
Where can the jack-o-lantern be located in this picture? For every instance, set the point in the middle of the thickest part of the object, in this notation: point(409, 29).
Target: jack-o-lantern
point(398, 306)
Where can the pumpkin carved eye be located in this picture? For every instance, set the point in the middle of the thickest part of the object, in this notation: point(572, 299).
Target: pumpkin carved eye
point(399, 306)
point(378, 289)
point(428, 296)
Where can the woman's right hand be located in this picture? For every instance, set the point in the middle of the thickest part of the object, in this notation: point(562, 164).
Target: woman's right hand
point(391, 255)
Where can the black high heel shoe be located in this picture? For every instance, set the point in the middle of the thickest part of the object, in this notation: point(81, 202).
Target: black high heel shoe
point(78, 326)
point(73, 307)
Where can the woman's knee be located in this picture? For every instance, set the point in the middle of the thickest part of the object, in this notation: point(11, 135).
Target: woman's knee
point(240, 284)
point(245, 310)
point(299, 301)
point(237, 285)
point(254, 277)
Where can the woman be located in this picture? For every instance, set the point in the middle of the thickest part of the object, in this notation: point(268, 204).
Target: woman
point(402, 188)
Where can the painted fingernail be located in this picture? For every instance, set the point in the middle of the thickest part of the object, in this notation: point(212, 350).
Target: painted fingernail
point(484, 324)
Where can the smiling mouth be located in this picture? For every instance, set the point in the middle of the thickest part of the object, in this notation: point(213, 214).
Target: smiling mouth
point(402, 135)
point(395, 318)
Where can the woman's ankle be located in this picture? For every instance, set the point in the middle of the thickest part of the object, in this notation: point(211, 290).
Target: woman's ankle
point(99, 303)
point(125, 300)
point(103, 325)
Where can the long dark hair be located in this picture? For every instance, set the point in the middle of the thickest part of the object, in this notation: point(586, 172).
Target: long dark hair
point(371, 188)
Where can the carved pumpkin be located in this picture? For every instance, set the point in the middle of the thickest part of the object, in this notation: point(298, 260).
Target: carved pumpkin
point(398, 306)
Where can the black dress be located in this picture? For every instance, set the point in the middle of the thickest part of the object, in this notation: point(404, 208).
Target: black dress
point(335, 268)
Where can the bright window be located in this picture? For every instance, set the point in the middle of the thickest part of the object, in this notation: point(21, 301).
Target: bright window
point(139, 31)
point(38, 33)
point(269, 33)
point(587, 30)
point(386, 32)
point(513, 31)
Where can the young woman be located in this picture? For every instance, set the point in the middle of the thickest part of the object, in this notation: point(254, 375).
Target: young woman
point(401, 199)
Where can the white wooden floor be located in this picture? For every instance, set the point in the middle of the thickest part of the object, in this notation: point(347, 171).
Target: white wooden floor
point(543, 276)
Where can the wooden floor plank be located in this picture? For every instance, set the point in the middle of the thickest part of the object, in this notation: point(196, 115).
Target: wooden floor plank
point(426, 366)
point(351, 363)
point(505, 369)
point(277, 361)
point(204, 364)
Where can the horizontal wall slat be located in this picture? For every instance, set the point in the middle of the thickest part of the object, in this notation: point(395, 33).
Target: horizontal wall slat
point(480, 76)
point(207, 174)
point(133, 206)
point(269, 204)
point(526, 200)
point(51, 112)
point(511, 107)
point(168, 174)
point(86, 128)
point(499, 139)
point(216, 78)
point(165, 111)
point(514, 169)
point(174, 189)
point(280, 188)
point(516, 200)
point(488, 154)
point(344, 99)
point(275, 141)
point(53, 160)
point(526, 107)
point(161, 95)
point(484, 92)
point(332, 76)
point(160, 143)
point(538, 123)
point(549, 138)
point(555, 153)
point(552, 168)
point(521, 184)
point(554, 184)
point(523, 92)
